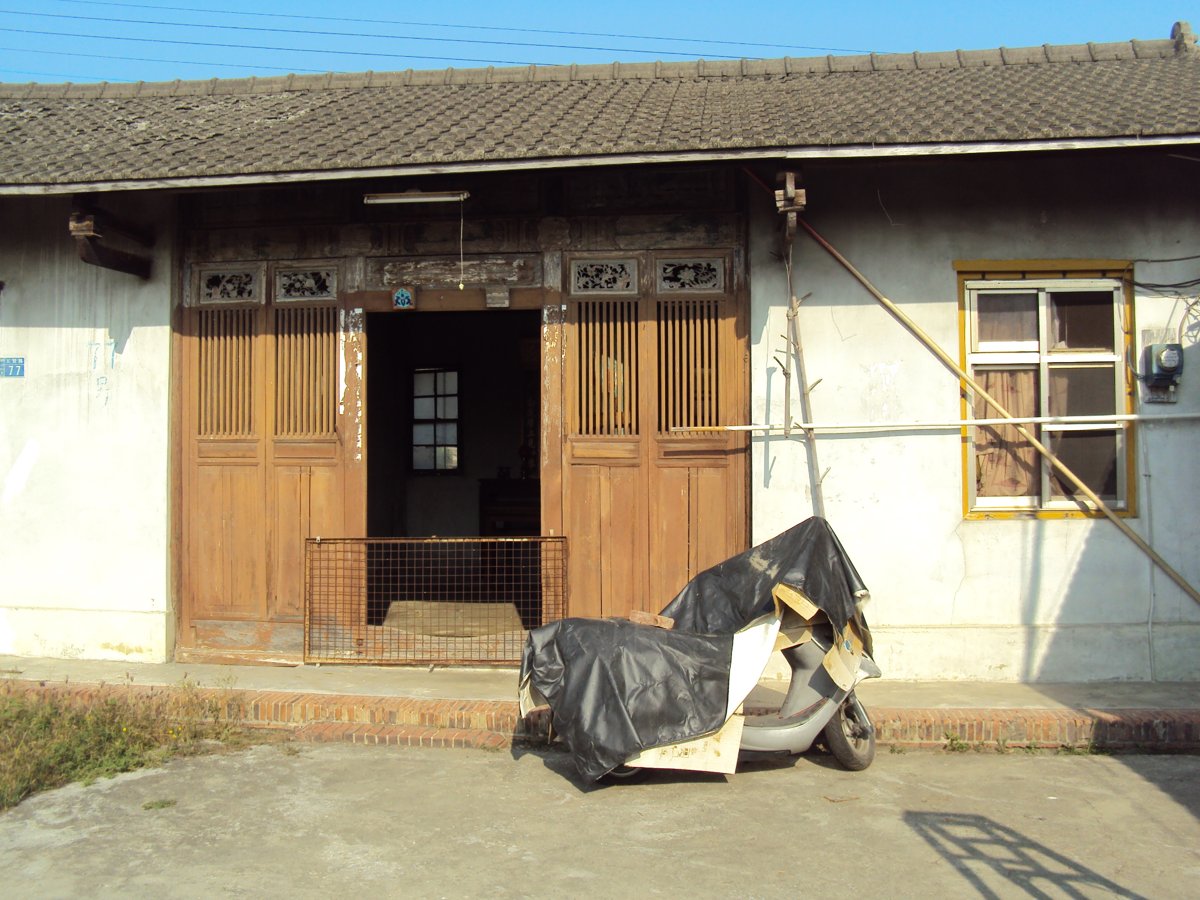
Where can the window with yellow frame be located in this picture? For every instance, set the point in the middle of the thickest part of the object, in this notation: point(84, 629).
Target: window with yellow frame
point(1050, 346)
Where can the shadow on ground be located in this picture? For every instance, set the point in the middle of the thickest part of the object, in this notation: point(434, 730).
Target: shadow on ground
point(996, 859)
point(557, 758)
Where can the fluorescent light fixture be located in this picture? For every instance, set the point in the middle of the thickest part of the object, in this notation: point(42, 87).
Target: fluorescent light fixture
point(418, 197)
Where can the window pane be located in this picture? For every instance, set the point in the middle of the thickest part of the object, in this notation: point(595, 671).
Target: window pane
point(1081, 320)
point(422, 434)
point(1006, 465)
point(447, 382)
point(1091, 455)
point(447, 434)
point(423, 383)
point(1006, 318)
point(447, 408)
point(447, 457)
point(423, 408)
point(422, 457)
point(1082, 390)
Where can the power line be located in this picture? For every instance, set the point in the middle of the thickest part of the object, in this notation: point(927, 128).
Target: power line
point(601, 34)
point(150, 59)
point(357, 34)
point(60, 75)
point(380, 54)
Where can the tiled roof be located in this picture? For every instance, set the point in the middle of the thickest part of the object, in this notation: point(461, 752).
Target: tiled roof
point(80, 134)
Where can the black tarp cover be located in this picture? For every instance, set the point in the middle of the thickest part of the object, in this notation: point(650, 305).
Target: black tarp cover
point(616, 688)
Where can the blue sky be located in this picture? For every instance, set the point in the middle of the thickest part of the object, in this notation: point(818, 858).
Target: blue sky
point(159, 40)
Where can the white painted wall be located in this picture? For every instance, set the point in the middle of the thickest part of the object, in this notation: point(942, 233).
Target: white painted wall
point(1041, 601)
point(83, 442)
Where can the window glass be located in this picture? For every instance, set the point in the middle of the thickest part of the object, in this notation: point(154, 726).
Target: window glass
point(1006, 318)
point(1006, 464)
point(1082, 390)
point(1091, 455)
point(423, 383)
point(1081, 320)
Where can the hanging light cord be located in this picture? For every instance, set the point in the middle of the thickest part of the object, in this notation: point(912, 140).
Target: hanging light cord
point(461, 269)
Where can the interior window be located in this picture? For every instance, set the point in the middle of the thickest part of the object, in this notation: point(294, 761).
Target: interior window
point(435, 420)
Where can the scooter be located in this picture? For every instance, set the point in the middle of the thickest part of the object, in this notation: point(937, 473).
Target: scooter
point(671, 690)
point(814, 708)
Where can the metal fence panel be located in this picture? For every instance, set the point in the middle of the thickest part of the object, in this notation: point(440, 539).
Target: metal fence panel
point(450, 601)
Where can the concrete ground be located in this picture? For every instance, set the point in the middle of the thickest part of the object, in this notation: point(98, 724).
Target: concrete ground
point(319, 820)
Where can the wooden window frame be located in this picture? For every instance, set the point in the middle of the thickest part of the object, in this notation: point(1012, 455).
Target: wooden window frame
point(1043, 278)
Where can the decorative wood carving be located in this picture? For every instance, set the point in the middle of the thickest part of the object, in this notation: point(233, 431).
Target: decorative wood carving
point(690, 275)
point(228, 285)
point(303, 283)
point(508, 270)
point(604, 276)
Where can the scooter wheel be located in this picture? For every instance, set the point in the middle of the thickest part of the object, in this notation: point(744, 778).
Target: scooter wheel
point(626, 775)
point(850, 736)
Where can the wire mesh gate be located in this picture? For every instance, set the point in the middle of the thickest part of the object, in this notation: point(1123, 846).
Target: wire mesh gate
point(451, 601)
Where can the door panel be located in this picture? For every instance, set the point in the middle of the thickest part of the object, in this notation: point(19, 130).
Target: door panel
point(226, 576)
point(605, 525)
point(649, 381)
point(622, 539)
point(264, 468)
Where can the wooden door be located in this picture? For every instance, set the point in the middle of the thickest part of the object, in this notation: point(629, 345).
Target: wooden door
point(653, 491)
point(264, 468)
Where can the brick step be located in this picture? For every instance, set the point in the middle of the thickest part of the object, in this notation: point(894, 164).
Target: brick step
point(1146, 730)
point(313, 716)
point(404, 736)
point(495, 724)
point(266, 709)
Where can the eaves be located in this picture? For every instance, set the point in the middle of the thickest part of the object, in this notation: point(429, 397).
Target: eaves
point(860, 151)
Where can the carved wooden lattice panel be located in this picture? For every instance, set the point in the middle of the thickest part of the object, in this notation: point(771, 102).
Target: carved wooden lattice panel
point(607, 373)
point(688, 364)
point(305, 371)
point(226, 370)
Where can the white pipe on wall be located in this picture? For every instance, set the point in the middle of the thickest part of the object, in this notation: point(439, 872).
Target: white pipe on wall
point(1122, 420)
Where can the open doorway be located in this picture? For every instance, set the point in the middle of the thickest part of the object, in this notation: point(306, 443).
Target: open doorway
point(453, 429)
point(452, 424)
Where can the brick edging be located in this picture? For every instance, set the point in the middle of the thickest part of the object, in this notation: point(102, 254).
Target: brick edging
point(311, 715)
point(497, 724)
point(1158, 730)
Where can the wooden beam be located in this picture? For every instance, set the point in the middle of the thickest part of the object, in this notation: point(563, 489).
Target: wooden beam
point(92, 252)
point(84, 228)
point(89, 222)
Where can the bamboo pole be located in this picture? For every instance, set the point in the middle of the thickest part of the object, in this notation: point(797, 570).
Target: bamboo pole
point(970, 382)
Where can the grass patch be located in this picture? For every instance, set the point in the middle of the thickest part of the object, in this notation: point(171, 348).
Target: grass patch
point(48, 738)
point(955, 744)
